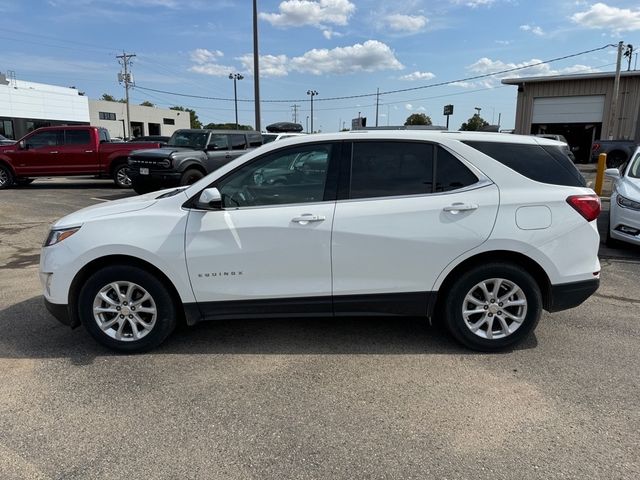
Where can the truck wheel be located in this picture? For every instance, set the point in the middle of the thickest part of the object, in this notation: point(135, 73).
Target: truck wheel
point(121, 176)
point(191, 176)
point(141, 187)
point(6, 177)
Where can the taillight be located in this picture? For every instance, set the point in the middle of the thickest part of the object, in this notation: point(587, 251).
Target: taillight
point(596, 147)
point(586, 205)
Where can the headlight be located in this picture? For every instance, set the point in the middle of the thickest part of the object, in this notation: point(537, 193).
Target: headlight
point(165, 163)
point(59, 234)
point(626, 203)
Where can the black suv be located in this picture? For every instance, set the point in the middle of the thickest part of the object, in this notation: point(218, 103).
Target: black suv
point(188, 156)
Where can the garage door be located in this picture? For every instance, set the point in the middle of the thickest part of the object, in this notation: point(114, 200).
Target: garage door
point(578, 109)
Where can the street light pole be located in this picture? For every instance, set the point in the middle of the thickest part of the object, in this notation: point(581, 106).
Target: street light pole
point(235, 77)
point(256, 65)
point(312, 93)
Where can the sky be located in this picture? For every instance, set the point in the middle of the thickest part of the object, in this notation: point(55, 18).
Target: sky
point(339, 48)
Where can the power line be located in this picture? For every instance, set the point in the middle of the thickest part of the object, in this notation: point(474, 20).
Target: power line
point(389, 92)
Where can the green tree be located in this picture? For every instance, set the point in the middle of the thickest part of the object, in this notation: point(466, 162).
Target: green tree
point(193, 116)
point(227, 126)
point(418, 119)
point(108, 98)
point(147, 103)
point(474, 123)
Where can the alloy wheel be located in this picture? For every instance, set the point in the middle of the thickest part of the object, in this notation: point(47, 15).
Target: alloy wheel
point(124, 311)
point(494, 308)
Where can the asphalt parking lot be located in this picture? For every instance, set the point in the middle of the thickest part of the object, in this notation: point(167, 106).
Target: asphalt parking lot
point(323, 398)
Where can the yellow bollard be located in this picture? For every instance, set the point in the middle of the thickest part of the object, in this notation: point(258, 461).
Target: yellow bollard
point(602, 164)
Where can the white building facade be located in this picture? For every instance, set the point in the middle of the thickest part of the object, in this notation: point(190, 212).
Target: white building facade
point(25, 106)
point(144, 120)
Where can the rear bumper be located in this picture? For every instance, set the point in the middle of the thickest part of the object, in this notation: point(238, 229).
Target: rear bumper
point(569, 295)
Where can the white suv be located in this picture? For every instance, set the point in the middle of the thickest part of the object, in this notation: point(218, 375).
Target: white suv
point(480, 230)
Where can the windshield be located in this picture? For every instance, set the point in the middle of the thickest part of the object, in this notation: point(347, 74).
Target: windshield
point(634, 169)
point(189, 139)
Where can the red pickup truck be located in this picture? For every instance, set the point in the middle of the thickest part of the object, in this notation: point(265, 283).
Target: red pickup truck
point(64, 152)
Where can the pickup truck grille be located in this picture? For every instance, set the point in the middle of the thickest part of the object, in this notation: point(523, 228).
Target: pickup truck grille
point(164, 163)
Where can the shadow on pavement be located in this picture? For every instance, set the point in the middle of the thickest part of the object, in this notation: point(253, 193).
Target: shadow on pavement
point(29, 331)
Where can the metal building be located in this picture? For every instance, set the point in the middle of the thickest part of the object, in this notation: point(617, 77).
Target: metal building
point(579, 107)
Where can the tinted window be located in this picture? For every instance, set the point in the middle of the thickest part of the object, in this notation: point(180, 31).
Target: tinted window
point(293, 175)
point(548, 164)
point(634, 170)
point(104, 135)
point(255, 139)
point(168, 121)
point(383, 169)
point(219, 142)
point(268, 137)
point(76, 137)
point(451, 173)
point(44, 139)
point(237, 142)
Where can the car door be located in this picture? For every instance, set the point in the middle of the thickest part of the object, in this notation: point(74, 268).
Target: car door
point(218, 152)
point(77, 153)
point(410, 209)
point(38, 154)
point(267, 251)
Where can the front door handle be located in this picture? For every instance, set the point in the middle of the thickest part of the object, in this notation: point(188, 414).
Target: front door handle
point(460, 207)
point(307, 218)
point(54, 152)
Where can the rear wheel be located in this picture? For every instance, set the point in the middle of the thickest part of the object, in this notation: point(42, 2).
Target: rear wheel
point(126, 308)
point(615, 159)
point(121, 176)
point(190, 176)
point(493, 306)
point(6, 177)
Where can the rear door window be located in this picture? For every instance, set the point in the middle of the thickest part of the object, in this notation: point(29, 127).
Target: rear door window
point(545, 164)
point(77, 137)
point(237, 142)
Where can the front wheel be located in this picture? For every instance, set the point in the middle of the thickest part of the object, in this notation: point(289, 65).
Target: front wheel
point(6, 177)
point(190, 176)
point(121, 176)
point(492, 307)
point(126, 308)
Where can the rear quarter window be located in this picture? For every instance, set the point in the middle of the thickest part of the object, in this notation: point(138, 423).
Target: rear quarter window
point(544, 164)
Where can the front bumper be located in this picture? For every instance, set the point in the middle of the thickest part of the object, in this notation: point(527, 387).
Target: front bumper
point(155, 176)
point(61, 312)
point(623, 221)
point(568, 295)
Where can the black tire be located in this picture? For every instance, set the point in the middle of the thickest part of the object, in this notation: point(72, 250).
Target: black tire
point(190, 176)
point(6, 177)
point(615, 159)
point(141, 187)
point(161, 302)
point(465, 284)
point(24, 181)
point(120, 176)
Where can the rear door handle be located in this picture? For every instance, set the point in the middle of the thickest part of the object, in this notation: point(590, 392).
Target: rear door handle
point(460, 207)
point(307, 218)
point(54, 152)
point(88, 151)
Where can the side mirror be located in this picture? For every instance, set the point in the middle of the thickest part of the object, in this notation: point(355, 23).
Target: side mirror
point(612, 173)
point(210, 198)
point(211, 147)
point(22, 145)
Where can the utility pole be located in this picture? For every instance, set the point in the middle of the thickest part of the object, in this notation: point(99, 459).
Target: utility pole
point(295, 112)
point(629, 53)
point(125, 61)
point(377, 103)
point(312, 93)
point(256, 65)
point(616, 91)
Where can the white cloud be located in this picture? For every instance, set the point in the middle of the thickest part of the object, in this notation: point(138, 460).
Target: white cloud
point(406, 23)
point(202, 55)
point(486, 65)
point(533, 29)
point(212, 69)
point(473, 3)
point(503, 42)
point(408, 106)
point(601, 15)
point(297, 13)
point(418, 76)
point(370, 56)
point(329, 33)
point(270, 65)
